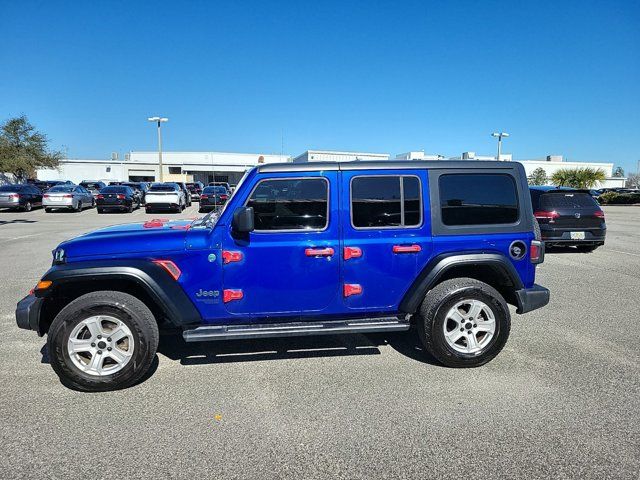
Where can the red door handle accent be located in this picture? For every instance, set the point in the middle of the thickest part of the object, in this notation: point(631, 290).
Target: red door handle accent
point(351, 289)
point(319, 252)
point(407, 248)
point(351, 252)
point(231, 294)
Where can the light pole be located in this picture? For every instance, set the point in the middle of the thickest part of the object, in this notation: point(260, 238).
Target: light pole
point(499, 136)
point(159, 120)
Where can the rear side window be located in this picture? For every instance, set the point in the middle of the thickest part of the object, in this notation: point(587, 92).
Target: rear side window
point(555, 200)
point(290, 204)
point(385, 201)
point(478, 199)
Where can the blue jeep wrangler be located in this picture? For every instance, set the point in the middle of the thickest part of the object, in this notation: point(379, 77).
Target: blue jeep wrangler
point(301, 249)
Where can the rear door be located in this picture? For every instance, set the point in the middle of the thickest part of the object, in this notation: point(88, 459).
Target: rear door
point(386, 231)
point(290, 263)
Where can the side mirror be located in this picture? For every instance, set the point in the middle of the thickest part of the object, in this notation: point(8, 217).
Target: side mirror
point(242, 220)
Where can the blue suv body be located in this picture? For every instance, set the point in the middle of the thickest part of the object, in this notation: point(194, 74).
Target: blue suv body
point(302, 249)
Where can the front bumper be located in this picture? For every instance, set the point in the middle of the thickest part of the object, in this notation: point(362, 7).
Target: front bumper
point(28, 313)
point(531, 298)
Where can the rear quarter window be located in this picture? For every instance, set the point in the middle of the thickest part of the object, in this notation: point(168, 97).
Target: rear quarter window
point(478, 199)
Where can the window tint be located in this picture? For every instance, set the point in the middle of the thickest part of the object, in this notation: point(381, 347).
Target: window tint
point(161, 187)
point(291, 204)
point(478, 199)
point(382, 202)
point(566, 200)
point(113, 189)
point(62, 188)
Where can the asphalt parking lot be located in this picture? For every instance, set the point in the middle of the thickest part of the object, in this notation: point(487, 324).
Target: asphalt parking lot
point(560, 401)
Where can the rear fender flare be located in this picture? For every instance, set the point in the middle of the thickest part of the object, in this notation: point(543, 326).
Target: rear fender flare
point(437, 268)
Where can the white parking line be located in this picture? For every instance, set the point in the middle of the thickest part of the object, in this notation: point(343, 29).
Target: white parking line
point(22, 236)
point(626, 253)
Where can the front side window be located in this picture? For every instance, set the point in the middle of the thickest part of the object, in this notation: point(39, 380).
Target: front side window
point(290, 204)
point(386, 201)
point(478, 199)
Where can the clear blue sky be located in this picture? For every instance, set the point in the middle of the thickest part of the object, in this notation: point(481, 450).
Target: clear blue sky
point(562, 77)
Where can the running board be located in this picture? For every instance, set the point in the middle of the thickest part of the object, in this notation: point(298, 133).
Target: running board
point(268, 330)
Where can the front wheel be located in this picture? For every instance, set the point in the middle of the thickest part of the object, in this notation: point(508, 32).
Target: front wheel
point(464, 322)
point(102, 341)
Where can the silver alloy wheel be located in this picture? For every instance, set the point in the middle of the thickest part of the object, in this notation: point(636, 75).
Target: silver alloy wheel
point(469, 326)
point(101, 345)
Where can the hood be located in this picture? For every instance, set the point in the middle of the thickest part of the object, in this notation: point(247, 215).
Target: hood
point(149, 237)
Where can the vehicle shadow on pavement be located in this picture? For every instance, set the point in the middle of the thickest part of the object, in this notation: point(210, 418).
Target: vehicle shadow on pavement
point(17, 220)
point(174, 347)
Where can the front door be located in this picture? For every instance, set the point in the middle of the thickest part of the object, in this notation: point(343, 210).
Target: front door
point(290, 263)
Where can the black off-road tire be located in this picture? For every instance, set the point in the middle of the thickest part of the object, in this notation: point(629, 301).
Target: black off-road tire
point(437, 304)
point(127, 308)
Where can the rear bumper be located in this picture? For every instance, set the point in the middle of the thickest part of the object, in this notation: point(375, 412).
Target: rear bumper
point(563, 236)
point(28, 313)
point(531, 298)
point(10, 204)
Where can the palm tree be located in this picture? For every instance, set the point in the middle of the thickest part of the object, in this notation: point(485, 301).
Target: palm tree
point(583, 177)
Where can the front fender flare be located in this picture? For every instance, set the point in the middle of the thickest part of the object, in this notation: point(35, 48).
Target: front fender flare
point(167, 293)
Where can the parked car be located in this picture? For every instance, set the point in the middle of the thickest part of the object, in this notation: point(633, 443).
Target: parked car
point(165, 196)
point(294, 253)
point(187, 193)
point(44, 185)
point(213, 198)
point(93, 186)
point(195, 188)
point(569, 217)
point(118, 197)
point(20, 197)
point(69, 197)
point(223, 184)
point(140, 187)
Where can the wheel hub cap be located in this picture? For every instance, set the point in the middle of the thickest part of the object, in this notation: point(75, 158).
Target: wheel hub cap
point(100, 345)
point(469, 326)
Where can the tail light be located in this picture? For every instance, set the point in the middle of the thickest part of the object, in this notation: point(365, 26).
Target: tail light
point(68, 195)
point(224, 197)
point(120, 196)
point(599, 214)
point(204, 196)
point(14, 195)
point(546, 215)
point(100, 197)
point(46, 195)
point(536, 251)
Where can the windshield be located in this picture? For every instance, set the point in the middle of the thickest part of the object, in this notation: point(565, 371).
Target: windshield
point(212, 217)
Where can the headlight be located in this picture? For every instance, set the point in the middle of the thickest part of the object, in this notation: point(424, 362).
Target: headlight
point(59, 256)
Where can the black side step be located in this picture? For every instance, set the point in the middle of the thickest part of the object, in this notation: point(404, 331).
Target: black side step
point(334, 327)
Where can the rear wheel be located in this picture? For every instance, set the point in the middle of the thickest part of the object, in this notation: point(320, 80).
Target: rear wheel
point(464, 322)
point(102, 341)
point(48, 210)
point(27, 207)
point(100, 210)
point(130, 208)
point(78, 207)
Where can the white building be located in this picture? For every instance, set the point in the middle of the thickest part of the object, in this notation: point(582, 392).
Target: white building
point(332, 156)
point(418, 155)
point(176, 166)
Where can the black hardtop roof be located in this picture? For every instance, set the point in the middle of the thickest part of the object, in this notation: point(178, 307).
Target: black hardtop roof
point(387, 165)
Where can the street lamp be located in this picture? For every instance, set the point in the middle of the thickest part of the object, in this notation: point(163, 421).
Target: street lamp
point(499, 136)
point(159, 120)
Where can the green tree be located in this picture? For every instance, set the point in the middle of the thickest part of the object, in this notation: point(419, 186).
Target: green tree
point(618, 172)
point(583, 177)
point(538, 177)
point(23, 149)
